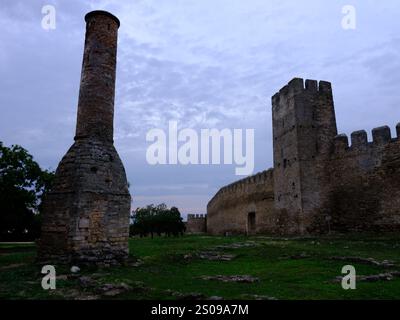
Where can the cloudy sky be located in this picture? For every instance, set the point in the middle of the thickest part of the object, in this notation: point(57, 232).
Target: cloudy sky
point(203, 63)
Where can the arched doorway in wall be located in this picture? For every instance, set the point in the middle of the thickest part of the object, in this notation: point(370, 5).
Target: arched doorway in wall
point(251, 223)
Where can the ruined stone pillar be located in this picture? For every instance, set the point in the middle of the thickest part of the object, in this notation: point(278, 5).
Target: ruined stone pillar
point(86, 214)
point(97, 89)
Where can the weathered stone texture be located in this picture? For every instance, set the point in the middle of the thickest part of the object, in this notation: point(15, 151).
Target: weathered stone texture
point(86, 214)
point(231, 209)
point(320, 183)
point(196, 224)
point(97, 88)
point(362, 185)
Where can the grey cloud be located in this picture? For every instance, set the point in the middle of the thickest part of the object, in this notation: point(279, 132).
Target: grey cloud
point(202, 63)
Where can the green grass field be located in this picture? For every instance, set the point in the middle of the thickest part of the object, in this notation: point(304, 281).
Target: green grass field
point(171, 268)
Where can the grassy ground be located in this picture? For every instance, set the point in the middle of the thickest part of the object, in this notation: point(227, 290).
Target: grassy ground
point(169, 268)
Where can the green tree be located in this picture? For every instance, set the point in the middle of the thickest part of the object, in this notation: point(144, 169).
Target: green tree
point(22, 185)
point(157, 220)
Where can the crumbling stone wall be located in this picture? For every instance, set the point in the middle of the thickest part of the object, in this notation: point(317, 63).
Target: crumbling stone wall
point(196, 223)
point(320, 183)
point(86, 214)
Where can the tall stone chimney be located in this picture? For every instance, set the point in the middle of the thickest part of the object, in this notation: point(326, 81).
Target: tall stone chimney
point(86, 213)
point(97, 90)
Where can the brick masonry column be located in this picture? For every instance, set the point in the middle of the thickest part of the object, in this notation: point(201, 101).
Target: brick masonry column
point(97, 88)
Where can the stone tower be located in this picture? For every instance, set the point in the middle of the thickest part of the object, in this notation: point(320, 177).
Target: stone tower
point(304, 129)
point(86, 214)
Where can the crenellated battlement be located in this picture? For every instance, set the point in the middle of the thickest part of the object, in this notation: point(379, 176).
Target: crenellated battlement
point(259, 178)
point(196, 223)
point(299, 86)
point(196, 216)
point(381, 136)
point(322, 181)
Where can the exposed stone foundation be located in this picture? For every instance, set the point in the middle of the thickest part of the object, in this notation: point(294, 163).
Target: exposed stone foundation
point(86, 216)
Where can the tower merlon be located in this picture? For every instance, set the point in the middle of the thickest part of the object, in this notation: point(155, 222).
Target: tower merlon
point(398, 130)
point(311, 85)
point(359, 139)
point(341, 143)
point(325, 87)
point(296, 86)
point(381, 135)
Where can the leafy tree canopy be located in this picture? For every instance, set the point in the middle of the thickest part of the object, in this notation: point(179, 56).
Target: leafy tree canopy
point(157, 220)
point(22, 185)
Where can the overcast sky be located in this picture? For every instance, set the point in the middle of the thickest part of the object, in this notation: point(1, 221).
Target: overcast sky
point(203, 63)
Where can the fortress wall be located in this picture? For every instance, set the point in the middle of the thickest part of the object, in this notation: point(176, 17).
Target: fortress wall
point(363, 183)
point(228, 212)
point(196, 223)
point(320, 181)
